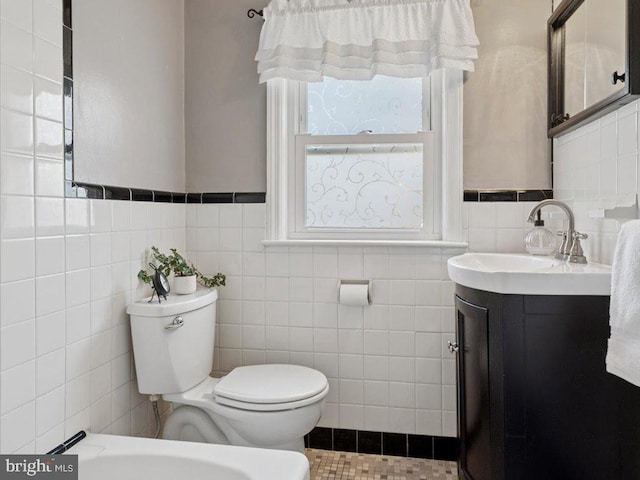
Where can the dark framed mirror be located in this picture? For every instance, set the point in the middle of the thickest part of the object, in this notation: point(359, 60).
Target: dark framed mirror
point(594, 60)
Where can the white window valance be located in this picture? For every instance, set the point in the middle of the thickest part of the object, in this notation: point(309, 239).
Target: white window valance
point(358, 39)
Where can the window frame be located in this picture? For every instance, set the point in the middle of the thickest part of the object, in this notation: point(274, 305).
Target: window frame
point(285, 107)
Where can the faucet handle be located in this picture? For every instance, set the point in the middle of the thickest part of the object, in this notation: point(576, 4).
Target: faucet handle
point(576, 254)
point(565, 246)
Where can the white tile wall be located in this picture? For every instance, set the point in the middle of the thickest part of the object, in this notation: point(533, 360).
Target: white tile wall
point(67, 266)
point(66, 352)
point(596, 167)
point(499, 226)
point(387, 366)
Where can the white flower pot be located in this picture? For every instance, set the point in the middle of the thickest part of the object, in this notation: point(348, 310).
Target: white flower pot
point(185, 285)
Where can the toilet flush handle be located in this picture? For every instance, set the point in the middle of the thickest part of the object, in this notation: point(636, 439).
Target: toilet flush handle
point(177, 323)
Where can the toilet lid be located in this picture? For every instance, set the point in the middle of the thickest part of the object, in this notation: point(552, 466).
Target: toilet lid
point(271, 384)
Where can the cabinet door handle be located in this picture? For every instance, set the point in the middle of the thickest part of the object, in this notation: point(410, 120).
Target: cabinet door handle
point(615, 76)
point(453, 346)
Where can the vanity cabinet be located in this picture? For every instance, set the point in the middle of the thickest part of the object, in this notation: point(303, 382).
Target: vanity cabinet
point(534, 399)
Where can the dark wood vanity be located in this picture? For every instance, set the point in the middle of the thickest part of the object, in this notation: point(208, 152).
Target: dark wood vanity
point(534, 399)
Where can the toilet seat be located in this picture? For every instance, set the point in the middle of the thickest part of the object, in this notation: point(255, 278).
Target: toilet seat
point(259, 382)
point(271, 407)
point(271, 387)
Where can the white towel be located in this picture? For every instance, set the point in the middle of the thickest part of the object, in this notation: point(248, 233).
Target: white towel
point(623, 355)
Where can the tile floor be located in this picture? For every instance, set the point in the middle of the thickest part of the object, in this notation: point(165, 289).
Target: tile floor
point(328, 465)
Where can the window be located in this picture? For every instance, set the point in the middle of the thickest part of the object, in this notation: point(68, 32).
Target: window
point(362, 161)
point(356, 160)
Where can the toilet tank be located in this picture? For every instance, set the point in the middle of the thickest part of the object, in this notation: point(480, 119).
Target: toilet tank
point(173, 341)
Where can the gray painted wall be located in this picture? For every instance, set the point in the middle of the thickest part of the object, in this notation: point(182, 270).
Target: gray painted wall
point(129, 93)
point(225, 110)
point(137, 125)
point(505, 99)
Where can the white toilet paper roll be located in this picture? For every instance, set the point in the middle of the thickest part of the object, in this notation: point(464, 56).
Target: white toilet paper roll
point(354, 294)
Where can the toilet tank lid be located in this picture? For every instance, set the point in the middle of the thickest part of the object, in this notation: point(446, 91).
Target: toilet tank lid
point(271, 384)
point(174, 304)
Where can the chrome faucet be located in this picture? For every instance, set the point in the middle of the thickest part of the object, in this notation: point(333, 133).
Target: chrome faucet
point(570, 250)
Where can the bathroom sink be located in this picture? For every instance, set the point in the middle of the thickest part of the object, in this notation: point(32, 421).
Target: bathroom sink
point(528, 275)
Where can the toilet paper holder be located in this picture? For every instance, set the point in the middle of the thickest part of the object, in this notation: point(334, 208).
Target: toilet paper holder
point(347, 283)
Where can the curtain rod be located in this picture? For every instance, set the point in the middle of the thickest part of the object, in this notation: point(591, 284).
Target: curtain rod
point(253, 12)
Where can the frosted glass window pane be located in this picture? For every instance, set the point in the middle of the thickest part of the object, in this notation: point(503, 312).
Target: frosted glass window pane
point(364, 186)
point(382, 105)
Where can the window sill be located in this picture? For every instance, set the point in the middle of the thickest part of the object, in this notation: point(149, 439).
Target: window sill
point(365, 243)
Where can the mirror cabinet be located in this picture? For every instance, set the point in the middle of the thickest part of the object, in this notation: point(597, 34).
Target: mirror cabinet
point(594, 60)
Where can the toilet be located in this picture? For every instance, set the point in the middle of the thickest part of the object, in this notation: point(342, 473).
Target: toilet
point(267, 406)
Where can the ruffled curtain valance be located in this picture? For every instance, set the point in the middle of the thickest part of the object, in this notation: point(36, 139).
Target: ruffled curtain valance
point(358, 39)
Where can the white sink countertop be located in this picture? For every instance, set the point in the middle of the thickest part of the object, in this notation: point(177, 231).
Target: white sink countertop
point(523, 274)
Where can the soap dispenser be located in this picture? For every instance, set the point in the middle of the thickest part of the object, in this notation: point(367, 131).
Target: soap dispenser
point(540, 240)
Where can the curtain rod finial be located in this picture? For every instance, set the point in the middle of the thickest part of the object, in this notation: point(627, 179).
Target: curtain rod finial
point(253, 12)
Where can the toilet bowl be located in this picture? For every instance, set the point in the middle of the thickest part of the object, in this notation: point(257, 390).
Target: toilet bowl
point(272, 420)
point(267, 406)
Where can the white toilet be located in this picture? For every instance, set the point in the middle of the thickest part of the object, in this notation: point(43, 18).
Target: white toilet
point(268, 406)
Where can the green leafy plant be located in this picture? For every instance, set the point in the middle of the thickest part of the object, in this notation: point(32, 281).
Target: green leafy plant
point(180, 267)
point(144, 276)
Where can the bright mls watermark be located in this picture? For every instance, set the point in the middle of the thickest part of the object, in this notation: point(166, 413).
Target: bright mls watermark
point(50, 467)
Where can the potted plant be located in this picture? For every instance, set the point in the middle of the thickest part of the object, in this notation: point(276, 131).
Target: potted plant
point(186, 275)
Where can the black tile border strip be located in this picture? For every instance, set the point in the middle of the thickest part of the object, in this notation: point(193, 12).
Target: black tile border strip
point(177, 197)
point(107, 192)
point(162, 197)
point(217, 197)
point(116, 193)
point(87, 190)
point(383, 443)
point(70, 189)
point(534, 195)
point(66, 13)
point(254, 197)
point(345, 440)
point(498, 196)
point(370, 442)
point(139, 195)
point(194, 198)
point(506, 195)
point(67, 52)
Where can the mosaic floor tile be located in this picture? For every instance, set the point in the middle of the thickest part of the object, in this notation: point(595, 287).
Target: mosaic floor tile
point(328, 465)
